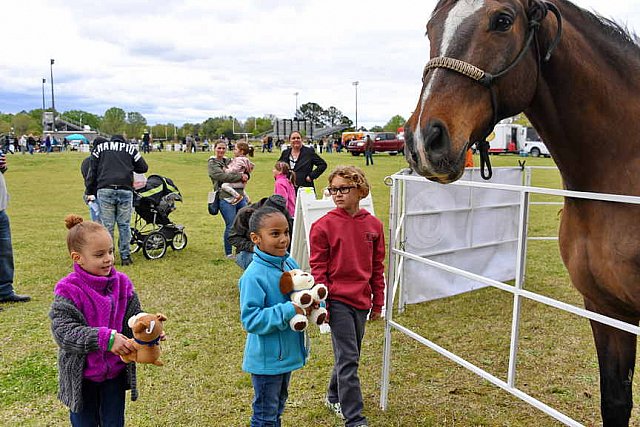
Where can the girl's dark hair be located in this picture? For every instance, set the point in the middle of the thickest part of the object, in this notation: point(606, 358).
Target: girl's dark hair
point(79, 231)
point(285, 169)
point(258, 217)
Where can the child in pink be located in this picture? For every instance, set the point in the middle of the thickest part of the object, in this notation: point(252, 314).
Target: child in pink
point(285, 185)
point(239, 164)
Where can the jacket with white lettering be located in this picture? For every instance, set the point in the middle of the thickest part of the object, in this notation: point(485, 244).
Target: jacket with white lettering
point(113, 163)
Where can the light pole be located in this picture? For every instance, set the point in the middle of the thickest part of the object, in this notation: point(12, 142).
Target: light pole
point(53, 101)
point(296, 113)
point(43, 82)
point(356, 83)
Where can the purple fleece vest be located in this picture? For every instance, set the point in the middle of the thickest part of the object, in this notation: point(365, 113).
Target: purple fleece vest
point(103, 301)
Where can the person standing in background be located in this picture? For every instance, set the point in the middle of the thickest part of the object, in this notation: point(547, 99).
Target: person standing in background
point(305, 163)
point(146, 142)
point(7, 293)
point(110, 179)
point(218, 176)
point(368, 150)
point(285, 185)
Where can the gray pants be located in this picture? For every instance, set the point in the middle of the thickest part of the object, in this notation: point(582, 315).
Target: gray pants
point(347, 329)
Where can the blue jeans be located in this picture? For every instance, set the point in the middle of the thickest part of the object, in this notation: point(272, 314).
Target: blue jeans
point(243, 259)
point(103, 404)
point(270, 396)
point(6, 256)
point(368, 155)
point(115, 207)
point(229, 212)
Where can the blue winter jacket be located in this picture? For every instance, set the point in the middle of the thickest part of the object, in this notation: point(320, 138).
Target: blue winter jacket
point(272, 347)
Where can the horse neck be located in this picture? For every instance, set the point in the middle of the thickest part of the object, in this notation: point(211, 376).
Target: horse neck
point(587, 106)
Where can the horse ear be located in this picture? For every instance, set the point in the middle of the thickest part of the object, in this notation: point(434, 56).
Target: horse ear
point(537, 10)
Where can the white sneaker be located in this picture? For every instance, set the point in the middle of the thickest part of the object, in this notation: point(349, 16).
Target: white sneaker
point(334, 407)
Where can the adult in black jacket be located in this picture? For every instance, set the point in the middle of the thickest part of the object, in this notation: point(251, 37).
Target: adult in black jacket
point(303, 161)
point(110, 179)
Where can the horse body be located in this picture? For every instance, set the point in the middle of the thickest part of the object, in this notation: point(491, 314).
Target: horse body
point(585, 103)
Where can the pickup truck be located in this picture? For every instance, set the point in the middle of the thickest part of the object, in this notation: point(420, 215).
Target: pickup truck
point(382, 142)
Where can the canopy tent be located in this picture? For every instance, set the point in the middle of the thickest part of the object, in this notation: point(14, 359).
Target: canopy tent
point(76, 137)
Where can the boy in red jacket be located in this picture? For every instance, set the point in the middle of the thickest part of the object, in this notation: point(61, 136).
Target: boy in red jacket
point(347, 255)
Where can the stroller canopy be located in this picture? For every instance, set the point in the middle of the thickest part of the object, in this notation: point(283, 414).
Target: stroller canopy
point(157, 187)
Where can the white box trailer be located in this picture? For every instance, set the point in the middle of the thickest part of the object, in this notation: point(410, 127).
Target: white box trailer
point(507, 138)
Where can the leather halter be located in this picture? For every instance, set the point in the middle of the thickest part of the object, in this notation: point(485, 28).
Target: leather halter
point(536, 13)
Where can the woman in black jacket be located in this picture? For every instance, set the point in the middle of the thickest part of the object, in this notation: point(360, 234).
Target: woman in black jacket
point(303, 161)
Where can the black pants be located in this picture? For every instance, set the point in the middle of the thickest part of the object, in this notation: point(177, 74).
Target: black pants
point(347, 330)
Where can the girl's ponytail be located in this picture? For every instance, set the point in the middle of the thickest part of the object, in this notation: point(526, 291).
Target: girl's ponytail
point(284, 168)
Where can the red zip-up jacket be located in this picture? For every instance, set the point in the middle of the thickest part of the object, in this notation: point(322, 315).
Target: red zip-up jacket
point(347, 255)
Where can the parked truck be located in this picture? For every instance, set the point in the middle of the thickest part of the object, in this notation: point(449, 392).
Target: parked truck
point(382, 142)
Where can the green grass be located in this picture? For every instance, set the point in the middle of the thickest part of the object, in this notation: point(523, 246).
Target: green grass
point(202, 383)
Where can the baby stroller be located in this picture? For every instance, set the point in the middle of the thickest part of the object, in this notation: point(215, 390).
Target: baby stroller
point(152, 229)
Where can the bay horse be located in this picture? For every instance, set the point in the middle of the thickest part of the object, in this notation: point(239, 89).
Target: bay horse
point(575, 76)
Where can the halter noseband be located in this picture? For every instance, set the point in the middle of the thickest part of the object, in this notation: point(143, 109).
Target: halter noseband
point(536, 13)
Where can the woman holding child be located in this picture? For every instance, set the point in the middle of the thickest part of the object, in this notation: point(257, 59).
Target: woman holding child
point(219, 175)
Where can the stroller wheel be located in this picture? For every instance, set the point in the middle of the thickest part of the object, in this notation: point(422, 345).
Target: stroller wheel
point(154, 245)
point(136, 240)
point(179, 240)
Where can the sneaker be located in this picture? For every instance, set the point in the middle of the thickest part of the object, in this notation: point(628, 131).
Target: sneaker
point(231, 256)
point(127, 261)
point(334, 407)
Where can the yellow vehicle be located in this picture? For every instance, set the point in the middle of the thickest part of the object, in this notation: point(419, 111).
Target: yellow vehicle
point(354, 136)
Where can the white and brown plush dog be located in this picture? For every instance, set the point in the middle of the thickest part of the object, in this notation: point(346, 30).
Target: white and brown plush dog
point(304, 293)
point(147, 330)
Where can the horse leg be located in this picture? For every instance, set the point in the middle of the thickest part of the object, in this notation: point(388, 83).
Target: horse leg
point(616, 358)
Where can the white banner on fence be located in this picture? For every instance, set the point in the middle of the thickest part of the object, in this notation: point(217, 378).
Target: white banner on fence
point(473, 229)
point(308, 211)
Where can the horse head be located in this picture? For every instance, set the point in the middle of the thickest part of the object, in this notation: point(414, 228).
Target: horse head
point(484, 67)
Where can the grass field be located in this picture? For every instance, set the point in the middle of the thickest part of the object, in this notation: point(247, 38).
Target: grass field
point(202, 384)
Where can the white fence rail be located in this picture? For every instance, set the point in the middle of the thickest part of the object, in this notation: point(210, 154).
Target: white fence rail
point(397, 257)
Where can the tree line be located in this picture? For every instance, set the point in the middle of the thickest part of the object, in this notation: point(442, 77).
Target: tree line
point(116, 121)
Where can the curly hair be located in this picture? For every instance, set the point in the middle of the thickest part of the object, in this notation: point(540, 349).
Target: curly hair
point(353, 174)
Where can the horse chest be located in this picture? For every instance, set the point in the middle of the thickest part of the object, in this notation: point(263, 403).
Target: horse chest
point(600, 247)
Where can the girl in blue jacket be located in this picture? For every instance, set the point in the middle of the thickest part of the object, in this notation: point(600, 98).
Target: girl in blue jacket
point(273, 350)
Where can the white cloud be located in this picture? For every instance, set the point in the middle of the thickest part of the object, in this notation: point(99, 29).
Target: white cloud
point(186, 61)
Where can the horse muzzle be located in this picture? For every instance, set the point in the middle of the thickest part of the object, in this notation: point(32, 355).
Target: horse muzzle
point(429, 153)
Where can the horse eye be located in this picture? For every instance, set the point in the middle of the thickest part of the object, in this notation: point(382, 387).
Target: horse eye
point(502, 23)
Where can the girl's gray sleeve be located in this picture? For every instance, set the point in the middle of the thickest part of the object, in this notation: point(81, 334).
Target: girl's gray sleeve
point(70, 329)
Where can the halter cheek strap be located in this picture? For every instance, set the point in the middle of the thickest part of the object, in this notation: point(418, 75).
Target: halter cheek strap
point(536, 13)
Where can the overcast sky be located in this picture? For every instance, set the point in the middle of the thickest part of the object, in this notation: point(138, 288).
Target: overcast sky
point(185, 61)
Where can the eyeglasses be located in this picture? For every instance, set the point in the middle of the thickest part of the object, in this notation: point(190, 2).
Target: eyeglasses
point(342, 190)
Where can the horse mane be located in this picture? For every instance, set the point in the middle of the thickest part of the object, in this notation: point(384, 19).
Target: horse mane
point(622, 37)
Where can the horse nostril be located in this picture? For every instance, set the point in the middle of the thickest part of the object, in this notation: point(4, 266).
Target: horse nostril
point(435, 141)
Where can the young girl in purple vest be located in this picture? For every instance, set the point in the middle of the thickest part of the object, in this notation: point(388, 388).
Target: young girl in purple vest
point(89, 323)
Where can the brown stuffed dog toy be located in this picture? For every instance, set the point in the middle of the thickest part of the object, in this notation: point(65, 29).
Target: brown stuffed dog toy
point(304, 292)
point(147, 329)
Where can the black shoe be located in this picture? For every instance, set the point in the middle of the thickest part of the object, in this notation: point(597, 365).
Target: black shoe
point(127, 261)
point(15, 298)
